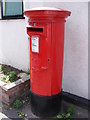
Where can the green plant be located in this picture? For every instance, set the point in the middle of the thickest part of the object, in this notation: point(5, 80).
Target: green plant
point(28, 72)
point(21, 114)
point(70, 109)
point(7, 108)
point(1, 68)
point(3, 78)
point(17, 104)
point(11, 76)
point(66, 116)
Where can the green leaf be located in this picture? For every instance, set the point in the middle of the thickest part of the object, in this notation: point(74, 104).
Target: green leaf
point(70, 109)
point(67, 115)
point(17, 104)
point(1, 68)
point(11, 76)
point(20, 113)
point(3, 77)
point(28, 72)
point(59, 116)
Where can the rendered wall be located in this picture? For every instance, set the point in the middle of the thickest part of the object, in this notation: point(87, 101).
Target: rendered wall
point(14, 43)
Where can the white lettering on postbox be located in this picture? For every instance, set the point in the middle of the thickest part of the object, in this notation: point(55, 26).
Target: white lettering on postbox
point(35, 44)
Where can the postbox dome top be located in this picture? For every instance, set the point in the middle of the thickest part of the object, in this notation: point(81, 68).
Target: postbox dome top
point(46, 12)
point(45, 8)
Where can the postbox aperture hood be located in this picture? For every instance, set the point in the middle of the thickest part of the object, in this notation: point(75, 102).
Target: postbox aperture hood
point(47, 12)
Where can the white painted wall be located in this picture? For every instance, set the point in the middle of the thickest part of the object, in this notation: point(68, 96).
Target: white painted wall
point(0, 10)
point(88, 49)
point(75, 75)
point(14, 46)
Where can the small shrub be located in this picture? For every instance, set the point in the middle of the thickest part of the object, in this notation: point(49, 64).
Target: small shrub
point(1, 68)
point(11, 76)
point(66, 116)
point(70, 109)
point(2, 77)
point(17, 104)
point(28, 72)
point(21, 114)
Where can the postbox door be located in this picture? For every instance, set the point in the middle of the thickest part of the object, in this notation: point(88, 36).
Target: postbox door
point(40, 58)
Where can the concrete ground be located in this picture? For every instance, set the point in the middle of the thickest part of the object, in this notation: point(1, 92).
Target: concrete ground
point(79, 112)
point(2, 116)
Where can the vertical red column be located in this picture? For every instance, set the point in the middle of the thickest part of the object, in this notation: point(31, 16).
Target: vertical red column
point(46, 31)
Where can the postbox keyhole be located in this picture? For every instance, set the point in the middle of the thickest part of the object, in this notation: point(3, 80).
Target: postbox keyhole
point(48, 59)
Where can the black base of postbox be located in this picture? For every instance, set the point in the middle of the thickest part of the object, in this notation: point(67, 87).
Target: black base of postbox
point(45, 106)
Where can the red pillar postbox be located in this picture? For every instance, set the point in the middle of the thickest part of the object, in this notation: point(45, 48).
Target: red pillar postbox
point(46, 31)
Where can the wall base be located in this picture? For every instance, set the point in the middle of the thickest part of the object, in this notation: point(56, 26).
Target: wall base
point(45, 106)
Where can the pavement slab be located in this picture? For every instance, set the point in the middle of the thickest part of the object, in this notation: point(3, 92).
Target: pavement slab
point(79, 112)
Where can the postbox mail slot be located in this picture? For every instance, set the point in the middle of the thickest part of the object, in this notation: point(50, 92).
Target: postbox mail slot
point(31, 29)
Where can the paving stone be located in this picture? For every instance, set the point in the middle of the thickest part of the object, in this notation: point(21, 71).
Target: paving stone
point(3, 116)
point(79, 112)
